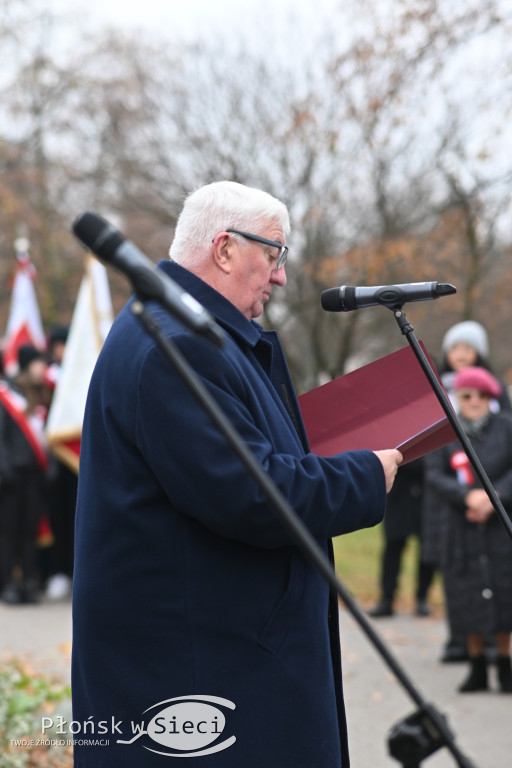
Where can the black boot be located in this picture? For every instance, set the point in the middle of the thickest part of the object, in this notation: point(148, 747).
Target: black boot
point(383, 608)
point(454, 651)
point(504, 673)
point(12, 593)
point(29, 592)
point(422, 608)
point(477, 678)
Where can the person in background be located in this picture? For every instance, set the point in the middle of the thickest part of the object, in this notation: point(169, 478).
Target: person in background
point(62, 491)
point(464, 344)
point(56, 348)
point(186, 581)
point(476, 552)
point(402, 521)
point(23, 476)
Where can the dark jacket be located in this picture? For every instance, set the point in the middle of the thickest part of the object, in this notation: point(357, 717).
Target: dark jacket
point(186, 583)
point(404, 503)
point(16, 453)
point(432, 517)
point(476, 558)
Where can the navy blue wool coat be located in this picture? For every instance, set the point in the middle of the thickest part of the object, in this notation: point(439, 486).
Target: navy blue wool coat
point(186, 582)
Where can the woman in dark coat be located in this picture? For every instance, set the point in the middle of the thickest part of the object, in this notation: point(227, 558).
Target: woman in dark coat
point(464, 344)
point(476, 556)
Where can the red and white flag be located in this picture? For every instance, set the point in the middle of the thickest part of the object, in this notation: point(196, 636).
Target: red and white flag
point(24, 324)
point(92, 317)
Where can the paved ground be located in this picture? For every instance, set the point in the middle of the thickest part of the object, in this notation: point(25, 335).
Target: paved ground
point(480, 722)
point(40, 634)
point(375, 701)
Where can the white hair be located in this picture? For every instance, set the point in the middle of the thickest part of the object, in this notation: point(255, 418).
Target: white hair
point(219, 206)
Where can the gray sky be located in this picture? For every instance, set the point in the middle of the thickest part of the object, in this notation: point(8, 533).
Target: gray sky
point(196, 18)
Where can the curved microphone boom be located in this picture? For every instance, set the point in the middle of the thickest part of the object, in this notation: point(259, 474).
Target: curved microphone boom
point(111, 247)
point(349, 297)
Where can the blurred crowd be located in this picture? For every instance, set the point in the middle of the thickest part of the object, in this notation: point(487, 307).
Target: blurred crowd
point(439, 501)
point(37, 491)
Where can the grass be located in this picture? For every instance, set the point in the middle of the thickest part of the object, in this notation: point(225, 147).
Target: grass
point(358, 562)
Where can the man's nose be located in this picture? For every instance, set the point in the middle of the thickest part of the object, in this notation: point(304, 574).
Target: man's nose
point(278, 276)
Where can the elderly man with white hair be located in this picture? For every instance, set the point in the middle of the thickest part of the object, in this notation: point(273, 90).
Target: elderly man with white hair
point(187, 586)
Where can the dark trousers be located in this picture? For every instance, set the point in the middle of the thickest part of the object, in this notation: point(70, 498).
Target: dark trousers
point(20, 509)
point(391, 561)
point(61, 507)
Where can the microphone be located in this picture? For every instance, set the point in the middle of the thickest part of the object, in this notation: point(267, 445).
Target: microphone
point(149, 282)
point(349, 297)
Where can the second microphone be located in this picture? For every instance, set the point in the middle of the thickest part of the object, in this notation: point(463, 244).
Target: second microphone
point(349, 297)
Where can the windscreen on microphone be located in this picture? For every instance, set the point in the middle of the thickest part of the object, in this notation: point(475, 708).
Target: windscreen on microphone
point(109, 245)
point(97, 234)
point(149, 282)
point(332, 301)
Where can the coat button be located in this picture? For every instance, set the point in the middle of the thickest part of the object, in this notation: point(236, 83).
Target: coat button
point(487, 593)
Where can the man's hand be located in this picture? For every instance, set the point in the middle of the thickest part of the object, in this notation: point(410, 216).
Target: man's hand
point(390, 460)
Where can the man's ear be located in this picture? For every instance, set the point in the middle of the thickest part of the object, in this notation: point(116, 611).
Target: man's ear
point(222, 253)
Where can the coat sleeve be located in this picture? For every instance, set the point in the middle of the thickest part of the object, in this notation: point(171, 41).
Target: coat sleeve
point(205, 480)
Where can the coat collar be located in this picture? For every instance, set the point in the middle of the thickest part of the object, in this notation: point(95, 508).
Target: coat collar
point(225, 313)
point(265, 345)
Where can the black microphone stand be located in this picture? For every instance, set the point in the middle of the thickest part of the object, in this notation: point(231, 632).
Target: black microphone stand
point(420, 734)
point(408, 331)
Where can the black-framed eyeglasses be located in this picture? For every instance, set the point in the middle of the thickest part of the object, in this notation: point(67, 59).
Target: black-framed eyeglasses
point(282, 249)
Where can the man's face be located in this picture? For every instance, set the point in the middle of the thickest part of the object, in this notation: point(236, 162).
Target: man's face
point(254, 273)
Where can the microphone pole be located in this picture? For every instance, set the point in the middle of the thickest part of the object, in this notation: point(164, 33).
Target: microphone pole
point(408, 331)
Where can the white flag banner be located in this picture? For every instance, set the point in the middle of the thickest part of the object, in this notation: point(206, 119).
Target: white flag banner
point(92, 317)
point(24, 324)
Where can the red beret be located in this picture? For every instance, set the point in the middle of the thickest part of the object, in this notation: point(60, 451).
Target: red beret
point(475, 377)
